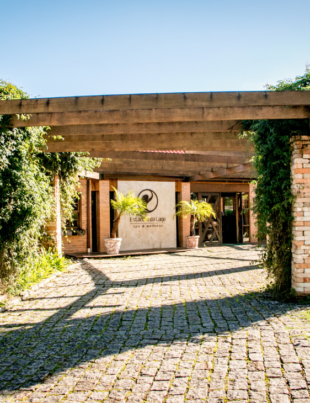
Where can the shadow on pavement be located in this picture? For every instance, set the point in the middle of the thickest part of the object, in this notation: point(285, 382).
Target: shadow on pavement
point(37, 353)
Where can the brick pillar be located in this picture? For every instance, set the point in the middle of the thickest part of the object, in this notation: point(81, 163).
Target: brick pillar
point(252, 216)
point(300, 170)
point(103, 213)
point(184, 223)
point(53, 228)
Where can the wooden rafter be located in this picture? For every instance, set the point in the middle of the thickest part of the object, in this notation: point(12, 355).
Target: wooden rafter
point(224, 172)
point(185, 166)
point(149, 169)
point(192, 142)
point(150, 128)
point(154, 156)
point(210, 136)
point(195, 172)
point(162, 115)
point(125, 170)
point(154, 101)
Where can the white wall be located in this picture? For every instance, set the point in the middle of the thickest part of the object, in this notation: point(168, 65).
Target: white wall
point(160, 230)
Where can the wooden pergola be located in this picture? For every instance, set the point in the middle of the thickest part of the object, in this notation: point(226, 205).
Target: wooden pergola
point(133, 133)
point(205, 126)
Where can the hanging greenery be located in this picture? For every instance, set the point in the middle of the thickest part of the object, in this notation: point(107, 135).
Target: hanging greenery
point(274, 199)
point(26, 195)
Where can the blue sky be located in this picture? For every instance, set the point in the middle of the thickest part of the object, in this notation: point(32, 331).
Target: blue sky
point(89, 47)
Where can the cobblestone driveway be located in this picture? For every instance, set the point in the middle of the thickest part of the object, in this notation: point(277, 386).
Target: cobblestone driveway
point(185, 327)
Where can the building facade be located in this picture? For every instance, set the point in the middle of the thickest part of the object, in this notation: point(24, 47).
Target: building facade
point(93, 215)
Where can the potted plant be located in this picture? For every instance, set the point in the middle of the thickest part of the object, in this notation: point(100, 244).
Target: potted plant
point(198, 211)
point(123, 205)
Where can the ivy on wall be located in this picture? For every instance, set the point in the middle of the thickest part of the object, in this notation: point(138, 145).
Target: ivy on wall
point(26, 196)
point(274, 199)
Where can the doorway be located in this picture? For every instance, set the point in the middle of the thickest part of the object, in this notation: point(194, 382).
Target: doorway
point(210, 230)
point(235, 217)
point(228, 210)
point(231, 221)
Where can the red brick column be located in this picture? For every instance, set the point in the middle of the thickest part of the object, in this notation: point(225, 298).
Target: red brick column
point(53, 228)
point(300, 170)
point(103, 213)
point(252, 217)
point(184, 223)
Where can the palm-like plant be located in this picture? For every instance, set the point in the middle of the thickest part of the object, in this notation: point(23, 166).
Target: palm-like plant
point(198, 210)
point(127, 205)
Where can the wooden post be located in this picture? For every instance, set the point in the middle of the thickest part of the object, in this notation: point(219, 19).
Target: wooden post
point(88, 215)
point(184, 223)
point(219, 219)
point(103, 213)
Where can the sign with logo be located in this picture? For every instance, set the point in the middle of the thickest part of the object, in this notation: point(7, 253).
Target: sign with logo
point(151, 199)
point(160, 229)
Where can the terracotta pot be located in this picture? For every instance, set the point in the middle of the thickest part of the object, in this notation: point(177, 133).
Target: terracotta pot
point(112, 245)
point(192, 242)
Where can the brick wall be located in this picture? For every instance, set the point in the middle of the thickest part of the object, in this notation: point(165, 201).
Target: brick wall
point(252, 217)
point(300, 169)
point(184, 223)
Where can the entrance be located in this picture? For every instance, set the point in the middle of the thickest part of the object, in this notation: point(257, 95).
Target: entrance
point(231, 224)
point(228, 210)
point(210, 230)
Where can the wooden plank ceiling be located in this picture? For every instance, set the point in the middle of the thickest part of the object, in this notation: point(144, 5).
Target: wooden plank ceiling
point(205, 126)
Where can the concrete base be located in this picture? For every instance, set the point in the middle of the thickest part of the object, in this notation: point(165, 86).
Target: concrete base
point(97, 255)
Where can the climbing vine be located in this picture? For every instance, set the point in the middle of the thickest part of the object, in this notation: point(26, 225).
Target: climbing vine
point(274, 198)
point(26, 196)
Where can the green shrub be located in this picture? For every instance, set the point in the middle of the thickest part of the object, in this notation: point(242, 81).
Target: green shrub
point(27, 201)
point(229, 213)
point(274, 199)
point(36, 269)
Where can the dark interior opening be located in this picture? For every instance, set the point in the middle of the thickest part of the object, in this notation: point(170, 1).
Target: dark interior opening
point(228, 209)
point(111, 212)
point(177, 219)
point(94, 220)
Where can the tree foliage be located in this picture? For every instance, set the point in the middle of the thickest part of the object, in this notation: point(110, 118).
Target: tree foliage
point(274, 198)
point(26, 196)
point(127, 205)
point(197, 209)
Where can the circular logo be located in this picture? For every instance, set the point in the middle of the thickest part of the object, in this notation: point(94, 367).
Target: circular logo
point(150, 198)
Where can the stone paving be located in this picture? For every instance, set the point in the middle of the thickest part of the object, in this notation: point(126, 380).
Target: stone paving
point(184, 327)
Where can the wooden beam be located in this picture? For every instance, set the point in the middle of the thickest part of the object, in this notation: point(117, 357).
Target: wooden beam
point(140, 101)
point(210, 136)
point(240, 153)
point(151, 128)
point(194, 172)
point(154, 156)
point(135, 176)
point(223, 172)
point(200, 187)
point(89, 215)
point(185, 165)
point(191, 142)
point(150, 169)
point(162, 115)
point(148, 172)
